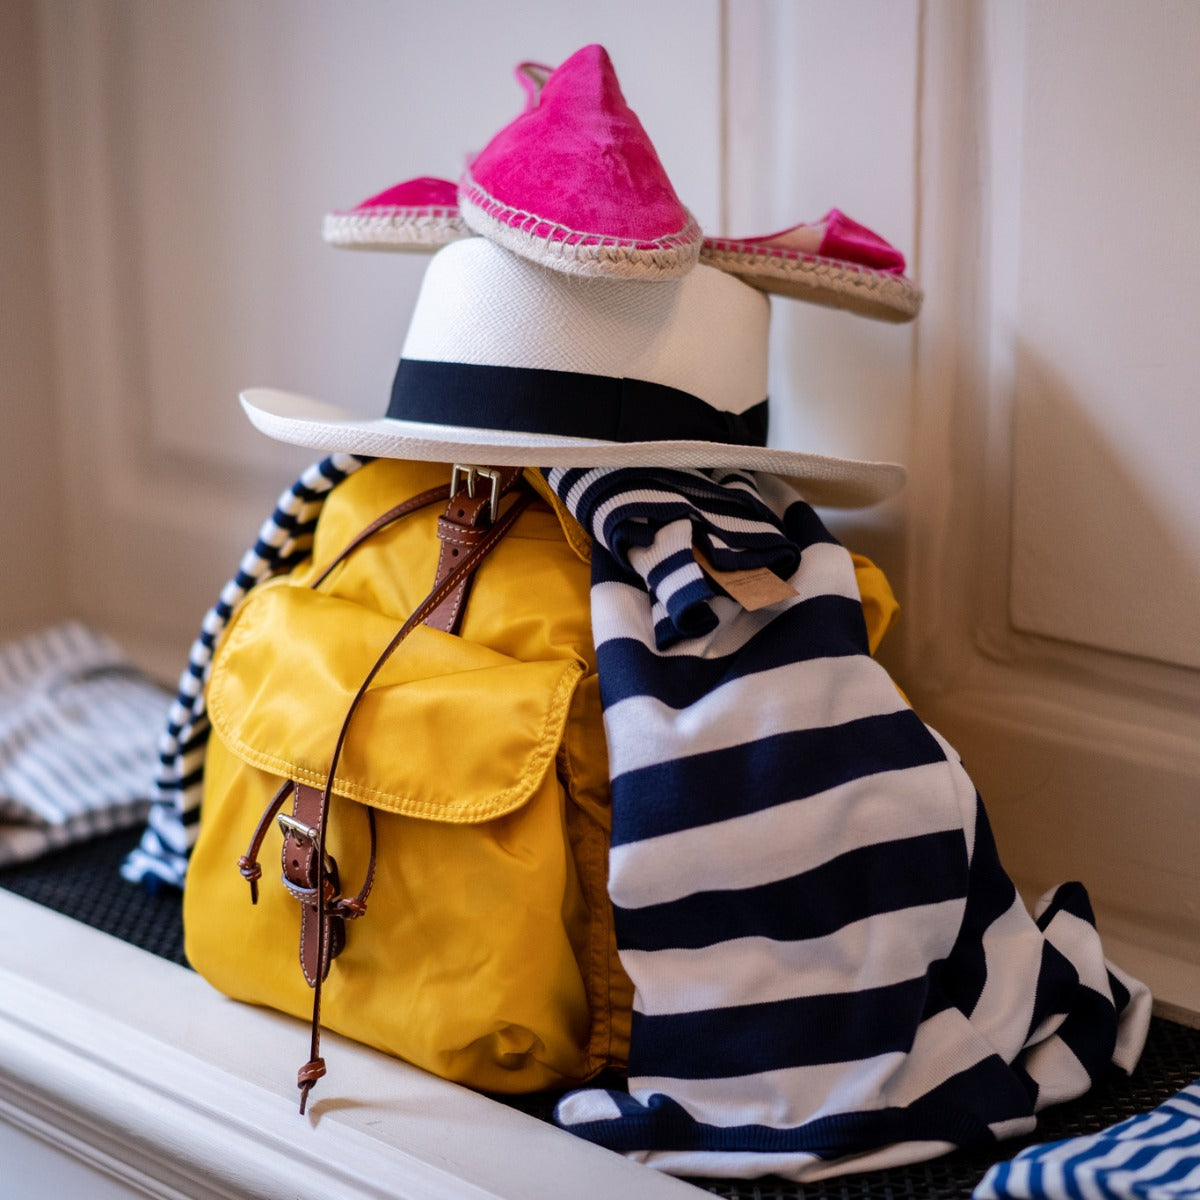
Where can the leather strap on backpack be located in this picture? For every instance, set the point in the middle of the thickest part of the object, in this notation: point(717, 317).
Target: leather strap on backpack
point(469, 529)
point(464, 524)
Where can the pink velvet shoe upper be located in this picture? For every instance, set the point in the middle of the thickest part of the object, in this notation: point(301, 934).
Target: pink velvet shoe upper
point(847, 239)
point(834, 261)
point(835, 236)
point(532, 77)
point(418, 214)
point(575, 183)
point(422, 194)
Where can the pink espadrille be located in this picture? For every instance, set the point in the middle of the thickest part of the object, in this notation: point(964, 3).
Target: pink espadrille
point(418, 214)
point(834, 261)
point(575, 184)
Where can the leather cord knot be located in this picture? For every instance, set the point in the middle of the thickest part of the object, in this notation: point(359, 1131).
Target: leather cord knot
point(307, 1077)
point(251, 873)
point(248, 864)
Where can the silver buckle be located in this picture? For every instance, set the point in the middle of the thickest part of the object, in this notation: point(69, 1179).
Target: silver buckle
point(289, 824)
point(470, 474)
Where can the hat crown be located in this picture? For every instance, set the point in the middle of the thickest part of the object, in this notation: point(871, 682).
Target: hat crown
point(705, 333)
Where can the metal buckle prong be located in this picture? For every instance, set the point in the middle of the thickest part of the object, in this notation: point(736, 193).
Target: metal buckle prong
point(289, 824)
point(461, 472)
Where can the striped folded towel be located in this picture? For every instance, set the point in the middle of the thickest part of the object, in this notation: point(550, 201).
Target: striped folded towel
point(1153, 1156)
point(78, 726)
point(833, 972)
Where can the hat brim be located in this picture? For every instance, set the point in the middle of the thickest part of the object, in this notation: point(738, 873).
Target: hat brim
point(302, 421)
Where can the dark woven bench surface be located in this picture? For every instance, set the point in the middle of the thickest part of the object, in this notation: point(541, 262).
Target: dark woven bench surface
point(83, 882)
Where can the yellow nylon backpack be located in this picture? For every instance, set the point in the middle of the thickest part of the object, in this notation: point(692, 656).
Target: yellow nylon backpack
point(486, 953)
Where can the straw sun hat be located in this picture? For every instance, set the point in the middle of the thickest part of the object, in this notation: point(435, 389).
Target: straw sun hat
point(589, 323)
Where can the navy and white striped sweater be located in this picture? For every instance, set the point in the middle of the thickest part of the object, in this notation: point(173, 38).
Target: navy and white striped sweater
point(832, 970)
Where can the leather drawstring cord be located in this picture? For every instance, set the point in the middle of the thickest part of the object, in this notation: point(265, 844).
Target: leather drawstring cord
point(315, 1067)
point(475, 545)
point(248, 864)
point(420, 500)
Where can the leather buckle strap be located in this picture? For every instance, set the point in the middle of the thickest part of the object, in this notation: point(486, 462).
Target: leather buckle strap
point(470, 512)
point(313, 881)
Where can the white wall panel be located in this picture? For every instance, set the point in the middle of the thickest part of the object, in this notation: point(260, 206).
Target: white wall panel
point(1107, 517)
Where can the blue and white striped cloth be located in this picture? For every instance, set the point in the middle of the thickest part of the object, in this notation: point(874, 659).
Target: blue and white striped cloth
point(1153, 1156)
point(285, 539)
point(832, 970)
point(78, 726)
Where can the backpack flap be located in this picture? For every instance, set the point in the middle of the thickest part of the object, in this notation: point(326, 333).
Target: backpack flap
point(449, 730)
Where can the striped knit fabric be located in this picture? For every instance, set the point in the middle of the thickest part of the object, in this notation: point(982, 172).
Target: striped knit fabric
point(832, 970)
point(1153, 1156)
point(284, 540)
point(77, 730)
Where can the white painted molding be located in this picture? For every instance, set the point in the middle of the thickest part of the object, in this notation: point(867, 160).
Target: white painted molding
point(139, 1069)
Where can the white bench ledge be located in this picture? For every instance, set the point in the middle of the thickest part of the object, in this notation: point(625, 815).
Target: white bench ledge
point(138, 1069)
